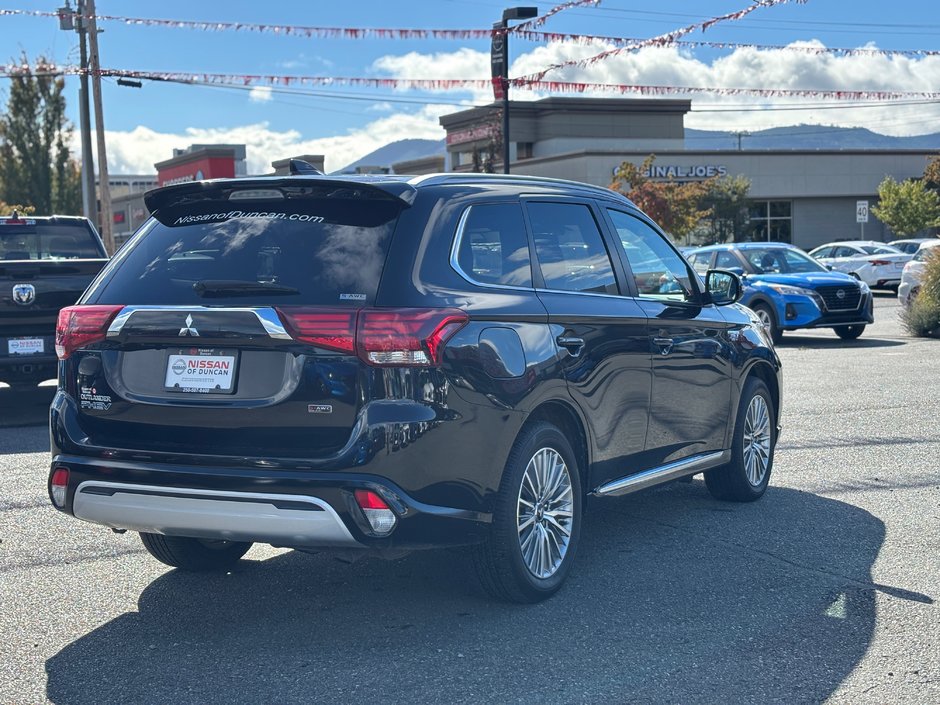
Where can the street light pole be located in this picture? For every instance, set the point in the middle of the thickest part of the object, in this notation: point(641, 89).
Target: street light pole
point(499, 58)
point(77, 22)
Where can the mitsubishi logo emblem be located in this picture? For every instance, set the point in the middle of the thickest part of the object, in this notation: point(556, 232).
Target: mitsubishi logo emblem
point(24, 294)
point(189, 330)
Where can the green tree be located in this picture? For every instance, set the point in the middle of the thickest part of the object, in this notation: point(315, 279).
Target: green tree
point(726, 199)
point(907, 207)
point(675, 206)
point(36, 167)
point(932, 173)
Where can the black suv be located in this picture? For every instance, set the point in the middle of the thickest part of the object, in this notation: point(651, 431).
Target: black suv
point(395, 363)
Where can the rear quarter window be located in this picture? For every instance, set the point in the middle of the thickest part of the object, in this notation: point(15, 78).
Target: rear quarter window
point(493, 246)
point(316, 251)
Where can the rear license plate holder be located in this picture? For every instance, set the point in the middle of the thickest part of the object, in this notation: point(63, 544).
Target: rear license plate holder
point(200, 371)
point(25, 346)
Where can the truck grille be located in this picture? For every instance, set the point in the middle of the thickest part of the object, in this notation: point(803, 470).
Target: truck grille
point(848, 301)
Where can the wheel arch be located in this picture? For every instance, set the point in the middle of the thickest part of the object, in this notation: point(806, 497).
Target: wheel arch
point(564, 416)
point(765, 372)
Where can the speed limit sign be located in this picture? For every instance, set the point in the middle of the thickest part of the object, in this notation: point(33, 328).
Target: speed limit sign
point(861, 211)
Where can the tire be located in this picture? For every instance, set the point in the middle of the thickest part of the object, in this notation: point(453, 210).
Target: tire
point(506, 570)
point(849, 332)
point(769, 320)
point(194, 554)
point(734, 482)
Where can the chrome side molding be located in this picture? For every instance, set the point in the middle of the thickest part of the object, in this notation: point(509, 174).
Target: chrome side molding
point(266, 315)
point(664, 473)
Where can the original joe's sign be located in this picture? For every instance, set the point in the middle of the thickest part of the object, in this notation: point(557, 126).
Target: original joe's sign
point(678, 172)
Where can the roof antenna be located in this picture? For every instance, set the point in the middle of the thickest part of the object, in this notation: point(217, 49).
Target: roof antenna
point(298, 167)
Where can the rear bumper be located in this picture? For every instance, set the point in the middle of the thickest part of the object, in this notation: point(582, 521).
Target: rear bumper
point(27, 369)
point(233, 516)
point(282, 508)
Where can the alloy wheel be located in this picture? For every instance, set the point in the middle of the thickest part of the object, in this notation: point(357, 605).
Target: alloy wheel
point(756, 440)
point(544, 512)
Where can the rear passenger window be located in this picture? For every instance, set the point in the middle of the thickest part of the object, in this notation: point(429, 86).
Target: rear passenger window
point(493, 245)
point(700, 262)
point(726, 259)
point(570, 248)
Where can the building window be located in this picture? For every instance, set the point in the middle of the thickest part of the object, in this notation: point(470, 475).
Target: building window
point(770, 221)
point(524, 150)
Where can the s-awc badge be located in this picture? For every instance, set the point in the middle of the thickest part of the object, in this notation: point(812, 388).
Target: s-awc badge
point(319, 409)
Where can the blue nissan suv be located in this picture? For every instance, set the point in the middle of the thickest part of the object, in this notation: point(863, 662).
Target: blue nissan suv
point(788, 289)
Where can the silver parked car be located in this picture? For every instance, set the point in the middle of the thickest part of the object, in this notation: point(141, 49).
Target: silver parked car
point(914, 271)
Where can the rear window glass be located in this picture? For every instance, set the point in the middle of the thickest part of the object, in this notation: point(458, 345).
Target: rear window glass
point(40, 241)
point(493, 246)
point(303, 251)
point(926, 251)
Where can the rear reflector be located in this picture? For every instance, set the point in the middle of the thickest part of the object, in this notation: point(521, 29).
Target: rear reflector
point(410, 337)
point(58, 486)
point(380, 517)
point(82, 325)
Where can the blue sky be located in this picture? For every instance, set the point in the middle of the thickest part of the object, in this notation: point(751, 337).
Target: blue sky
point(144, 124)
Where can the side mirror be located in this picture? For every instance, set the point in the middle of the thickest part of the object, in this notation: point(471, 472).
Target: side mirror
point(829, 267)
point(723, 287)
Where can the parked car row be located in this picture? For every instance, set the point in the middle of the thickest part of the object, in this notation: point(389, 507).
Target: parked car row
point(914, 270)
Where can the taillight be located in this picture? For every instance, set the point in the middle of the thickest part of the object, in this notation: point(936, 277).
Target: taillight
point(58, 486)
point(412, 337)
point(376, 510)
point(81, 325)
point(333, 329)
point(406, 336)
point(878, 262)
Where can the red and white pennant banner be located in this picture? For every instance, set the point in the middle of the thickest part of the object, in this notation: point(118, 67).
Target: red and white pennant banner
point(662, 39)
point(520, 31)
point(452, 84)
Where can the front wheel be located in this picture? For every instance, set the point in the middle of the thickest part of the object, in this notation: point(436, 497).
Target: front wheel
point(746, 476)
point(849, 332)
point(769, 321)
point(537, 520)
point(194, 554)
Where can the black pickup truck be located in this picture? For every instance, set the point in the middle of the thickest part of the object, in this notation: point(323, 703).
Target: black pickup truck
point(45, 264)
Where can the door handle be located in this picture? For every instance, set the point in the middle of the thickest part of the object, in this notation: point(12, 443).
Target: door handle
point(665, 344)
point(574, 346)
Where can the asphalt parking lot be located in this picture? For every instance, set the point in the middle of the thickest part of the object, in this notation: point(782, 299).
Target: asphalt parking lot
point(825, 590)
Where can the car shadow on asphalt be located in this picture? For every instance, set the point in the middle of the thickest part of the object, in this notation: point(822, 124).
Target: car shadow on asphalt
point(796, 340)
point(674, 597)
point(25, 408)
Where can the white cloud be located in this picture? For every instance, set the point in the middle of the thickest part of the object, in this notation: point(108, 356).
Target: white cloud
point(136, 151)
point(260, 94)
point(741, 68)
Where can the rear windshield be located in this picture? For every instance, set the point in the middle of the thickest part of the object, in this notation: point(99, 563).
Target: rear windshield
point(40, 241)
point(316, 251)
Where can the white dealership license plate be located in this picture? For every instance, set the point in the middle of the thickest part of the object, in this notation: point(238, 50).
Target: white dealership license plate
point(200, 372)
point(25, 346)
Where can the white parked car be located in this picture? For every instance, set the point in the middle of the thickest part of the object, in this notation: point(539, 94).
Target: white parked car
point(914, 271)
point(911, 245)
point(875, 263)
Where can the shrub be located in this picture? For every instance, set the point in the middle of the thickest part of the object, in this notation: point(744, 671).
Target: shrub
point(922, 317)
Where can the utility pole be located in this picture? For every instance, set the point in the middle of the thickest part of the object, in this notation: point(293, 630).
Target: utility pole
point(739, 135)
point(76, 21)
point(94, 68)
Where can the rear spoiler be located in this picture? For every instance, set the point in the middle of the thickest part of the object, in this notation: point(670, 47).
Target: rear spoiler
point(375, 187)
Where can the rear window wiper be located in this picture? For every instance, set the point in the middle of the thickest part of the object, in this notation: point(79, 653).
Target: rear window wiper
point(209, 288)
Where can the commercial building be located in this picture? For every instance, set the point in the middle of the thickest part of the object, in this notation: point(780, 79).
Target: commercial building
point(803, 197)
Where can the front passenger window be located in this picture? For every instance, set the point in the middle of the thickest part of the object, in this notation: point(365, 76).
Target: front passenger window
point(658, 271)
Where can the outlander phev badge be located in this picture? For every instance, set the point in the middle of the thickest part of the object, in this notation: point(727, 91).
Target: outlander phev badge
point(24, 294)
point(189, 330)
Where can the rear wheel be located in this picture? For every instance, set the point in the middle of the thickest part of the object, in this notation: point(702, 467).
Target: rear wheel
point(849, 332)
point(194, 554)
point(537, 520)
point(746, 476)
point(769, 321)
